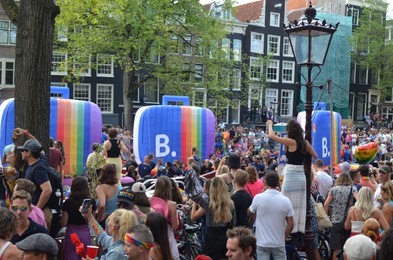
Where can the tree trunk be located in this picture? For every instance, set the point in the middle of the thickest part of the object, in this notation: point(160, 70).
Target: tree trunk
point(34, 42)
point(127, 100)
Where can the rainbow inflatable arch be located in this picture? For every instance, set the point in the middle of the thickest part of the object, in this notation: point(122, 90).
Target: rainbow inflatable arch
point(76, 123)
point(170, 132)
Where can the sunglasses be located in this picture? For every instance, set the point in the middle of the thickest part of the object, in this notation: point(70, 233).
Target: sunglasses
point(23, 150)
point(21, 208)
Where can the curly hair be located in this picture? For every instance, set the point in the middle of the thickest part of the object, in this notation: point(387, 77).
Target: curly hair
point(295, 131)
point(108, 174)
point(8, 223)
point(220, 203)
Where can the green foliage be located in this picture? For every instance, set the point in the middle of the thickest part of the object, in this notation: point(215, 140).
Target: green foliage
point(373, 50)
point(149, 38)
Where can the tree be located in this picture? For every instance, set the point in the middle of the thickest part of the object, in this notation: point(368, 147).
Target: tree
point(147, 38)
point(372, 51)
point(35, 22)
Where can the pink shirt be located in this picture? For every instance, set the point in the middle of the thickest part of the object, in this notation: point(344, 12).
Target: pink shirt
point(254, 188)
point(37, 215)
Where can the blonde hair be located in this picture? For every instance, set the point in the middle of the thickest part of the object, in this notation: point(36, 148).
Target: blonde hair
point(388, 189)
point(365, 202)
point(224, 169)
point(344, 179)
point(124, 219)
point(220, 203)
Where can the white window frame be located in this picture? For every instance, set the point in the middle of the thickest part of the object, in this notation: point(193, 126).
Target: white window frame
point(286, 49)
point(199, 90)
point(236, 79)
point(187, 45)
point(274, 17)
point(62, 33)
point(4, 70)
point(59, 84)
point(269, 43)
point(284, 68)
point(88, 85)
point(289, 103)
point(86, 73)
point(226, 48)
point(224, 78)
point(354, 69)
point(197, 77)
point(254, 93)
point(271, 94)
point(357, 70)
point(158, 93)
point(59, 63)
point(238, 111)
point(256, 45)
point(111, 73)
point(199, 50)
point(355, 19)
point(111, 99)
point(237, 49)
point(276, 68)
point(253, 61)
point(10, 30)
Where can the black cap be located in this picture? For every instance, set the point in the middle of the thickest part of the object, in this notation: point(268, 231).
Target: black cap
point(31, 145)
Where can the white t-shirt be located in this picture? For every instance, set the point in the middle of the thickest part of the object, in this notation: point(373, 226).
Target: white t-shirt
point(271, 209)
point(325, 182)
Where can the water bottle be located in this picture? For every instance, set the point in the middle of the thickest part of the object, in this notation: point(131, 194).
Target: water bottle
point(58, 194)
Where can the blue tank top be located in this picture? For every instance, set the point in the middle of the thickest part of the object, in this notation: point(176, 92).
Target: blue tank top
point(111, 204)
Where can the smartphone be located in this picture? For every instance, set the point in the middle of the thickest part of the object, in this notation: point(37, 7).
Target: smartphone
point(85, 205)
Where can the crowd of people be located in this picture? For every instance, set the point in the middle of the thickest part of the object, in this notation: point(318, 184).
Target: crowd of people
point(247, 210)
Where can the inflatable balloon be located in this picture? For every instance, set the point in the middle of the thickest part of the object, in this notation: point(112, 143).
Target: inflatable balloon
point(226, 135)
point(366, 153)
point(337, 169)
point(76, 123)
point(170, 132)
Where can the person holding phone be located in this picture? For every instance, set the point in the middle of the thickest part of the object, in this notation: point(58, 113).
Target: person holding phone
point(72, 218)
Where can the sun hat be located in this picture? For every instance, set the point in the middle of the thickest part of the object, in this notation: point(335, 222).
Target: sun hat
point(159, 205)
point(360, 247)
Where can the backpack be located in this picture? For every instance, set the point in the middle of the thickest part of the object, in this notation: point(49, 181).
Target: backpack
point(54, 202)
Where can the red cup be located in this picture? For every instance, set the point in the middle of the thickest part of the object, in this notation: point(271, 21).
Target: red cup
point(92, 251)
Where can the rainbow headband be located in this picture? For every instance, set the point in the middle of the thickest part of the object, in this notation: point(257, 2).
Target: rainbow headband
point(133, 241)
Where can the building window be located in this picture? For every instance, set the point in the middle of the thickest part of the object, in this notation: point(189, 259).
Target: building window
point(272, 71)
point(273, 45)
point(286, 103)
point(287, 50)
point(360, 106)
point(235, 111)
point(226, 48)
point(362, 72)
point(271, 96)
point(7, 32)
point(198, 75)
point(199, 50)
point(151, 91)
point(153, 54)
point(374, 76)
point(237, 49)
point(186, 72)
point(236, 79)
point(82, 91)
point(82, 66)
point(58, 84)
point(288, 71)
point(257, 42)
point(275, 19)
point(187, 49)
point(355, 15)
point(199, 99)
point(105, 97)
point(174, 45)
point(256, 68)
point(352, 78)
point(62, 33)
point(223, 77)
point(59, 63)
point(104, 65)
point(135, 94)
point(7, 72)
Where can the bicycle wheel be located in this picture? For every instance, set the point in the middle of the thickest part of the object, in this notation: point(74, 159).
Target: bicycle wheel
point(191, 250)
point(324, 248)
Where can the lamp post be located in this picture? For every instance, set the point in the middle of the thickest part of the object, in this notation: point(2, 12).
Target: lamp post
point(310, 40)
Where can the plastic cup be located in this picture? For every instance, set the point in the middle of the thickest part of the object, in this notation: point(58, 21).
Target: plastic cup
point(92, 251)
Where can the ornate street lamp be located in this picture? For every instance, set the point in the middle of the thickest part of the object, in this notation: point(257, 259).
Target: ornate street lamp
point(310, 40)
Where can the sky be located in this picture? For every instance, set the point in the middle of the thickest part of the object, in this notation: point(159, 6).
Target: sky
point(389, 14)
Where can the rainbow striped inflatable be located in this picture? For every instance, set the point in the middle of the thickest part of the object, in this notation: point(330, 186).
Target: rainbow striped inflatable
point(170, 132)
point(76, 123)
